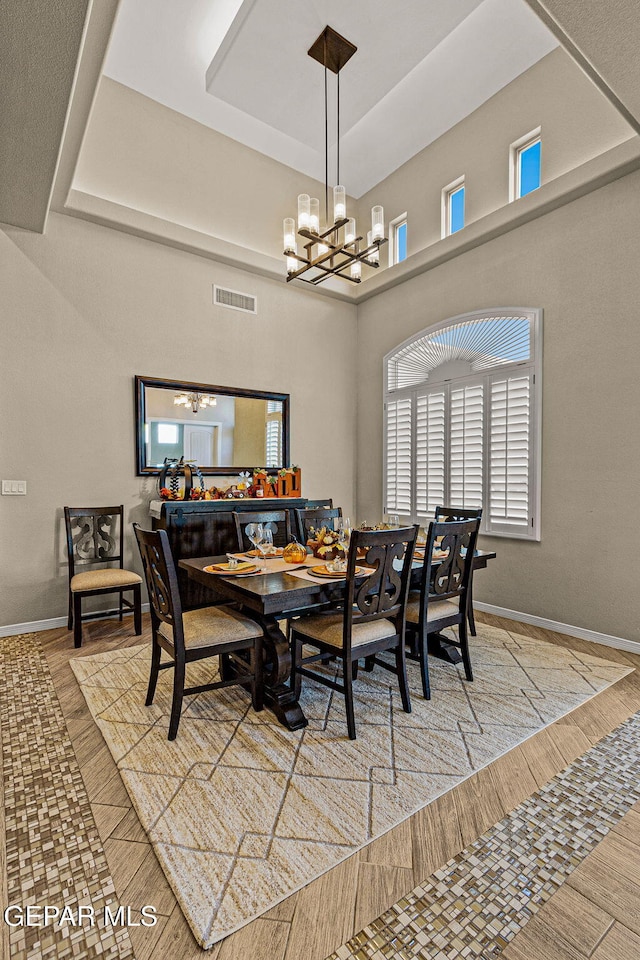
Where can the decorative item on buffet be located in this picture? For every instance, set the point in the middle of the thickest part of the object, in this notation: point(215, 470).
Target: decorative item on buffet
point(175, 470)
point(289, 482)
point(324, 543)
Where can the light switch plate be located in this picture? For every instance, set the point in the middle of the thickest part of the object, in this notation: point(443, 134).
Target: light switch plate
point(14, 488)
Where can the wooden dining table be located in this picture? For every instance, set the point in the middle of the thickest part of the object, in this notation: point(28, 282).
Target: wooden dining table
point(274, 597)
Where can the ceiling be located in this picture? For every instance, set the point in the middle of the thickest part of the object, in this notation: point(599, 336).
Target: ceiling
point(241, 67)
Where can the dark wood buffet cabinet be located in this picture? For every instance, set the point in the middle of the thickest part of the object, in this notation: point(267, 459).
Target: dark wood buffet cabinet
point(206, 528)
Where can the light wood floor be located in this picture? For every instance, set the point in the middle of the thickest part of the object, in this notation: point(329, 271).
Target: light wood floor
point(598, 909)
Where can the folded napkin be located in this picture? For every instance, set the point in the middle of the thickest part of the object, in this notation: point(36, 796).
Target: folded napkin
point(241, 565)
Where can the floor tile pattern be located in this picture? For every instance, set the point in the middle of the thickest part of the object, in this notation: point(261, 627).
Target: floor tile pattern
point(477, 902)
point(242, 812)
point(54, 852)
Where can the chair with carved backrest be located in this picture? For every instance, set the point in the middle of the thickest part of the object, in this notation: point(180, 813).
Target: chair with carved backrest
point(442, 599)
point(194, 634)
point(314, 518)
point(95, 535)
point(446, 515)
point(279, 520)
point(372, 619)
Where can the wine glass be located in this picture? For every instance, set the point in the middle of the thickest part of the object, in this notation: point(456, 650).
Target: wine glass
point(343, 529)
point(254, 531)
point(265, 546)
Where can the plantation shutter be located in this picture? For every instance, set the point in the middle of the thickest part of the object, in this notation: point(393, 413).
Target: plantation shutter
point(430, 451)
point(467, 450)
point(509, 452)
point(399, 456)
point(273, 434)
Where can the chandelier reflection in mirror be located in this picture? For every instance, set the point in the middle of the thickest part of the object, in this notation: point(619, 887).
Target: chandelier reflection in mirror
point(337, 250)
point(197, 401)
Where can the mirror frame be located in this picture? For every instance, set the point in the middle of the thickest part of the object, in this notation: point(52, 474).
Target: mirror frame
point(141, 383)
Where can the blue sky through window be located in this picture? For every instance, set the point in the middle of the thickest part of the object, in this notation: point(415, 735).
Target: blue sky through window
point(529, 160)
point(401, 242)
point(456, 210)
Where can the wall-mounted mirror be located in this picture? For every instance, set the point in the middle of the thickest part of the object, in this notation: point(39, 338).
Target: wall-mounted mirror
point(224, 429)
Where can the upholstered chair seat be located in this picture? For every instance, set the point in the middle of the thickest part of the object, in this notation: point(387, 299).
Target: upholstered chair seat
point(209, 626)
point(438, 610)
point(103, 579)
point(329, 629)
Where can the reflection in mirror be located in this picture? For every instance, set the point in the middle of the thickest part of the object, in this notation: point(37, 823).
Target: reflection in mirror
point(223, 430)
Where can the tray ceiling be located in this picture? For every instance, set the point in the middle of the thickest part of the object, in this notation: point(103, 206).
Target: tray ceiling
point(241, 67)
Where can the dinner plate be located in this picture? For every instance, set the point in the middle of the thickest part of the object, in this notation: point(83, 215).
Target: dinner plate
point(278, 552)
point(222, 569)
point(436, 555)
point(324, 572)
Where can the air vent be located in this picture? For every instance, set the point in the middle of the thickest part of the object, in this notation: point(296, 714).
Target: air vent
point(234, 300)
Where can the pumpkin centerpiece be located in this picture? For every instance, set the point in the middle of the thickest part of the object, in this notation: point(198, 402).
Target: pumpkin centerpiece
point(324, 543)
point(294, 552)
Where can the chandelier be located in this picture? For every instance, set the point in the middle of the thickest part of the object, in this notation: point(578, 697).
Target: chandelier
point(196, 401)
point(336, 250)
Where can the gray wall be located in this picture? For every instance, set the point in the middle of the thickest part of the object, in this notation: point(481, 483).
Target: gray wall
point(580, 264)
point(85, 308)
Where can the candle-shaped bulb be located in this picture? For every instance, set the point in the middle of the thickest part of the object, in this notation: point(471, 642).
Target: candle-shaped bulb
point(289, 229)
point(314, 215)
point(350, 230)
point(356, 270)
point(377, 223)
point(303, 211)
point(339, 203)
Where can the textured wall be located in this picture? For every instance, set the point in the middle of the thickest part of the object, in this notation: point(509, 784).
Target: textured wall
point(579, 264)
point(84, 309)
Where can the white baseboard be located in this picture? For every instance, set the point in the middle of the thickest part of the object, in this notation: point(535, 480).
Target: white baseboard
point(621, 643)
point(34, 626)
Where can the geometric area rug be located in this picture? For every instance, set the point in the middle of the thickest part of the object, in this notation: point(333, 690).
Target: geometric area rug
point(242, 812)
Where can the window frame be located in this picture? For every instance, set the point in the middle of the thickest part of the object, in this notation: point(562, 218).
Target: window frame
point(394, 226)
point(533, 368)
point(515, 150)
point(445, 203)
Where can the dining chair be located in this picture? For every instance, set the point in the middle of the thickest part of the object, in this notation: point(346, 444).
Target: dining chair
point(446, 515)
point(194, 634)
point(280, 521)
point(371, 621)
point(315, 517)
point(442, 599)
point(95, 535)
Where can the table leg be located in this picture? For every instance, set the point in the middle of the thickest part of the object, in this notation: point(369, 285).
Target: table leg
point(278, 695)
point(439, 646)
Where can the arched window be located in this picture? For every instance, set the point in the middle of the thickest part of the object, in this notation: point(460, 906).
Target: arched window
point(462, 421)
